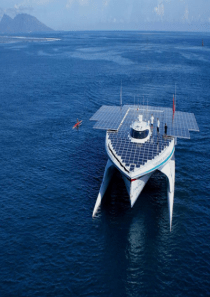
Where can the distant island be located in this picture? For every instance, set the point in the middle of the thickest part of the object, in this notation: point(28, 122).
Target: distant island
point(22, 23)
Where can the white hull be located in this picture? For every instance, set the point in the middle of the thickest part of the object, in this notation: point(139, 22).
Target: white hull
point(135, 186)
point(169, 171)
point(108, 173)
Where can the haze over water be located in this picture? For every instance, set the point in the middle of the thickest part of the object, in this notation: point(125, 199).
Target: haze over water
point(50, 174)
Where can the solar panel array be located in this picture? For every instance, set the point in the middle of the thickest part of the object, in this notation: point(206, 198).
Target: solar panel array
point(120, 119)
point(133, 155)
point(109, 117)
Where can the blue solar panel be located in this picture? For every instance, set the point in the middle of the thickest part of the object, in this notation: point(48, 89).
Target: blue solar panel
point(134, 154)
point(109, 117)
point(120, 119)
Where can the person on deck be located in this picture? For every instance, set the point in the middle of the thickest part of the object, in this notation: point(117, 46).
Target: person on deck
point(158, 125)
point(166, 129)
point(152, 120)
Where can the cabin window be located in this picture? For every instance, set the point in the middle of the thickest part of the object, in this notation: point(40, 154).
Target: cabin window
point(139, 134)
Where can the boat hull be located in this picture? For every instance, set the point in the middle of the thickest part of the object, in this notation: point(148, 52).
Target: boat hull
point(108, 173)
point(135, 187)
point(136, 181)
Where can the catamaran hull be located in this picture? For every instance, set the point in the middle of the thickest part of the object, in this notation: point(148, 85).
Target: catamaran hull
point(135, 186)
point(108, 173)
point(169, 170)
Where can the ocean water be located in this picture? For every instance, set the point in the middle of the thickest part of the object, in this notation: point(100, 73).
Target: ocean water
point(50, 174)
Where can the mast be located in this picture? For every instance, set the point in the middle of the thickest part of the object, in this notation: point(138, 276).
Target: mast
point(121, 97)
point(174, 105)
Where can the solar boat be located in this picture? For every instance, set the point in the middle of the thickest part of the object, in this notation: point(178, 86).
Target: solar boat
point(137, 148)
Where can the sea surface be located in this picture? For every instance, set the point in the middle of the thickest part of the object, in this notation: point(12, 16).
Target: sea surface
point(50, 174)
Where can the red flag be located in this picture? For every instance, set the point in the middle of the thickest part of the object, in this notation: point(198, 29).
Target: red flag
point(173, 107)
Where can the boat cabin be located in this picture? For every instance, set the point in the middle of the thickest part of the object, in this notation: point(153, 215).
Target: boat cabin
point(140, 130)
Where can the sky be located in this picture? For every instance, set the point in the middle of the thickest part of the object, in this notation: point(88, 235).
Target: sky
point(167, 15)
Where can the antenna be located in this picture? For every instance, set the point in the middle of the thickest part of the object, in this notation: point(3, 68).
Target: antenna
point(174, 105)
point(121, 96)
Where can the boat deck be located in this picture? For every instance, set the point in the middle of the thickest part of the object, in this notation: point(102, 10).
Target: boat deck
point(134, 155)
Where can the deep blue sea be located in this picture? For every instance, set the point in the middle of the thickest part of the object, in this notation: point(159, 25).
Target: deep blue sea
point(50, 174)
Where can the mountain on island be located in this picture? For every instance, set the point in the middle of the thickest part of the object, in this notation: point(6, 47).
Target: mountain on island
point(22, 23)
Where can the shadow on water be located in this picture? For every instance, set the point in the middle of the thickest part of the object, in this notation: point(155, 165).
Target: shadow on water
point(116, 202)
point(134, 237)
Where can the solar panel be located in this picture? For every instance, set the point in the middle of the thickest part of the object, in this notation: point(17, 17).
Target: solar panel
point(109, 117)
point(120, 119)
point(132, 155)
